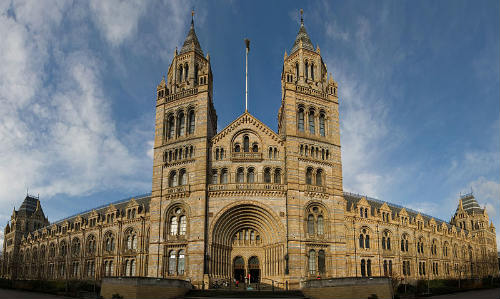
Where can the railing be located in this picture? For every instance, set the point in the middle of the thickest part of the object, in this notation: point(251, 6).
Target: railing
point(182, 94)
point(311, 91)
point(246, 156)
point(247, 186)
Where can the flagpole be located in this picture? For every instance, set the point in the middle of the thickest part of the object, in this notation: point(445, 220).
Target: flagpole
point(247, 43)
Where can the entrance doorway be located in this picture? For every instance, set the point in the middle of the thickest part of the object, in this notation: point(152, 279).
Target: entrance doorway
point(254, 269)
point(239, 269)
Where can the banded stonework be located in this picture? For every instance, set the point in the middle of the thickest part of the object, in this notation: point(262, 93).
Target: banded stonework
point(246, 201)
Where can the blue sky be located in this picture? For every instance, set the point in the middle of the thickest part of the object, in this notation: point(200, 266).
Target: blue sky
point(418, 83)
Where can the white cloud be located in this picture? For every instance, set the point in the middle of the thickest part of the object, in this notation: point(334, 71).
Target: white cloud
point(118, 19)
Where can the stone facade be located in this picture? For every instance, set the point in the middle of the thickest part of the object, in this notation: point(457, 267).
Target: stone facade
point(249, 202)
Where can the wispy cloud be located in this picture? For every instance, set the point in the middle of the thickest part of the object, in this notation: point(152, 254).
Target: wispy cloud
point(56, 125)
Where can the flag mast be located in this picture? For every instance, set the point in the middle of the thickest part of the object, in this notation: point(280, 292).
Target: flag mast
point(247, 43)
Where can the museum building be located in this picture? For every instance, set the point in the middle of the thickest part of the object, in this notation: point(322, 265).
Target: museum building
point(249, 202)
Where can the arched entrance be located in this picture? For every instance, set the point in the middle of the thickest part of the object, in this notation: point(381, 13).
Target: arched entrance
point(254, 269)
point(247, 239)
point(239, 268)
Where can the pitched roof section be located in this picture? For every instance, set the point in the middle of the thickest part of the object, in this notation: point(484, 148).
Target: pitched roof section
point(303, 37)
point(352, 199)
point(28, 206)
point(244, 118)
point(191, 43)
point(470, 204)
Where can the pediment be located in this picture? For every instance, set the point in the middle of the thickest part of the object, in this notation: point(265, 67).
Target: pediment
point(363, 202)
point(385, 207)
point(403, 213)
point(132, 203)
point(111, 208)
point(246, 122)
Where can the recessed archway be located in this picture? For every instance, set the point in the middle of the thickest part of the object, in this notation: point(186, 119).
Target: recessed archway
point(246, 231)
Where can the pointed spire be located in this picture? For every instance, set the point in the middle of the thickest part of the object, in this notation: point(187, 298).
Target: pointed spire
point(302, 40)
point(191, 43)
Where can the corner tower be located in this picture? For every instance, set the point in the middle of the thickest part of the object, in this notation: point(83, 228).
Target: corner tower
point(308, 121)
point(185, 122)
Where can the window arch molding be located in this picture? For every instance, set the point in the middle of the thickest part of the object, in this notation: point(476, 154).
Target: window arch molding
point(301, 112)
point(109, 242)
point(316, 219)
point(176, 223)
point(387, 240)
point(130, 239)
point(365, 235)
point(254, 139)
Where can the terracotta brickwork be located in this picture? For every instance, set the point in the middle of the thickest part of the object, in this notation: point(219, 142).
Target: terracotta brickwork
point(246, 201)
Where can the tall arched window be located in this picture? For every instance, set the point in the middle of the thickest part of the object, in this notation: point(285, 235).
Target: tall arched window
point(90, 244)
point(366, 237)
point(297, 71)
point(186, 71)
point(322, 124)
point(240, 176)
point(319, 177)
point(180, 73)
point(310, 224)
point(130, 240)
point(109, 242)
point(171, 126)
point(246, 144)
point(183, 225)
point(196, 74)
point(75, 248)
point(301, 119)
point(181, 124)
point(309, 174)
point(180, 263)
point(191, 122)
point(172, 179)
point(223, 176)
point(307, 69)
point(255, 147)
point(363, 268)
point(173, 226)
point(171, 263)
point(312, 122)
point(321, 225)
point(236, 148)
point(182, 177)
point(267, 175)
point(321, 262)
point(312, 71)
point(312, 262)
point(214, 176)
point(277, 176)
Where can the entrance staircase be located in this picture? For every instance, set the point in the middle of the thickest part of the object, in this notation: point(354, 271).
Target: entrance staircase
point(253, 290)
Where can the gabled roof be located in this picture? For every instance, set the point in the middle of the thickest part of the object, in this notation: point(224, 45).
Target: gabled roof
point(191, 43)
point(302, 40)
point(28, 206)
point(470, 204)
point(244, 118)
point(353, 199)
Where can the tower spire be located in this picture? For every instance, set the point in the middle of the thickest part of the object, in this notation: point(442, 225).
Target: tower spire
point(301, 16)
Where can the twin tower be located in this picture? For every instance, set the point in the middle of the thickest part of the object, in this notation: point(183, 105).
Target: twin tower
point(247, 202)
